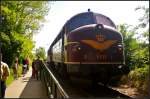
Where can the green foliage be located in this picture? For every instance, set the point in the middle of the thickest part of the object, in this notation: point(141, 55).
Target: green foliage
point(137, 58)
point(144, 20)
point(20, 21)
point(10, 78)
point(139, 78)
point(137, 53)
point(130, 44)
point(143, 23)
point(41, 53)
point(24, 16)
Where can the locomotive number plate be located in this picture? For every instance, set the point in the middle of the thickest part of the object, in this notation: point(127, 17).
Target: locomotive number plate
point(102, 57)
point(100, 38)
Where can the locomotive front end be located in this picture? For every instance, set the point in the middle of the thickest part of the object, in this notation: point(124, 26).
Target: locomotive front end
point(88, 47)
point(95, 44)
point(95, 51)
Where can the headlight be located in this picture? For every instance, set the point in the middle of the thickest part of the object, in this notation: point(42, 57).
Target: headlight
point(120, 47)
point(79, 48)
point(99, 26)
point(76, 48)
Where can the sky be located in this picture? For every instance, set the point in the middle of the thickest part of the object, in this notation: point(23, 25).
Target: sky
point(60, 11)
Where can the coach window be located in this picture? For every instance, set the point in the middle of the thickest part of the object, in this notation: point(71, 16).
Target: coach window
point(101, 19)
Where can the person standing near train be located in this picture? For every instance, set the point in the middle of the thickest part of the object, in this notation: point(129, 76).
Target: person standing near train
point(24, 67)
point(33, 69)
point(15, 68)
point(37, 67)
point(27, 63)
point(5, 72)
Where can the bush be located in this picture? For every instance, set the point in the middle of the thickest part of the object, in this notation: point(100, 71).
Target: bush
point(139, 78)
point(124, 79)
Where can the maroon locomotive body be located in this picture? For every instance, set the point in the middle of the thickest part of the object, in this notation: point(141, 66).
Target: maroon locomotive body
point(88, 47)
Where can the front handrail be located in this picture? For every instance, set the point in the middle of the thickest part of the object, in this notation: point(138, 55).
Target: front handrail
point(58, 86)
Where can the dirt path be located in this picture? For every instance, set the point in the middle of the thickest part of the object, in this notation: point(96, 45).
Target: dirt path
point(25, 87)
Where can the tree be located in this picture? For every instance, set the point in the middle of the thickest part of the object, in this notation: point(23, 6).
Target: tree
point(144, 22)
point(144, 46)
point(130, 44)
point(137, 52)
point(41, 53)
point(24, 16)
point(20, 20)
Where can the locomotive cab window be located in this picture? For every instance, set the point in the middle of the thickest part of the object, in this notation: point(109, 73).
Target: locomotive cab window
point(101, 19)
point(81, 20)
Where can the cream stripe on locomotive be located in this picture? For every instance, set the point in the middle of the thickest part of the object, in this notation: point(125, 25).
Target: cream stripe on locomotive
point(94, 63)
point(67, 43)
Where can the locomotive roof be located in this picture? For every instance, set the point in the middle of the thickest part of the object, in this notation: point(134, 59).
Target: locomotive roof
point(82, 19)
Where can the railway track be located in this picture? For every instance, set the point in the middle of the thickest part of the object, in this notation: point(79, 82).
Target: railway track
point(81, 88)
point(77, 88)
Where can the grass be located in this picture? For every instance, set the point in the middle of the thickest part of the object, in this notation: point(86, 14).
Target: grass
point(11, 77)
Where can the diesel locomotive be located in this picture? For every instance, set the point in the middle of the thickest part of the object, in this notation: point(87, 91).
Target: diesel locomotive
point(88, 47)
